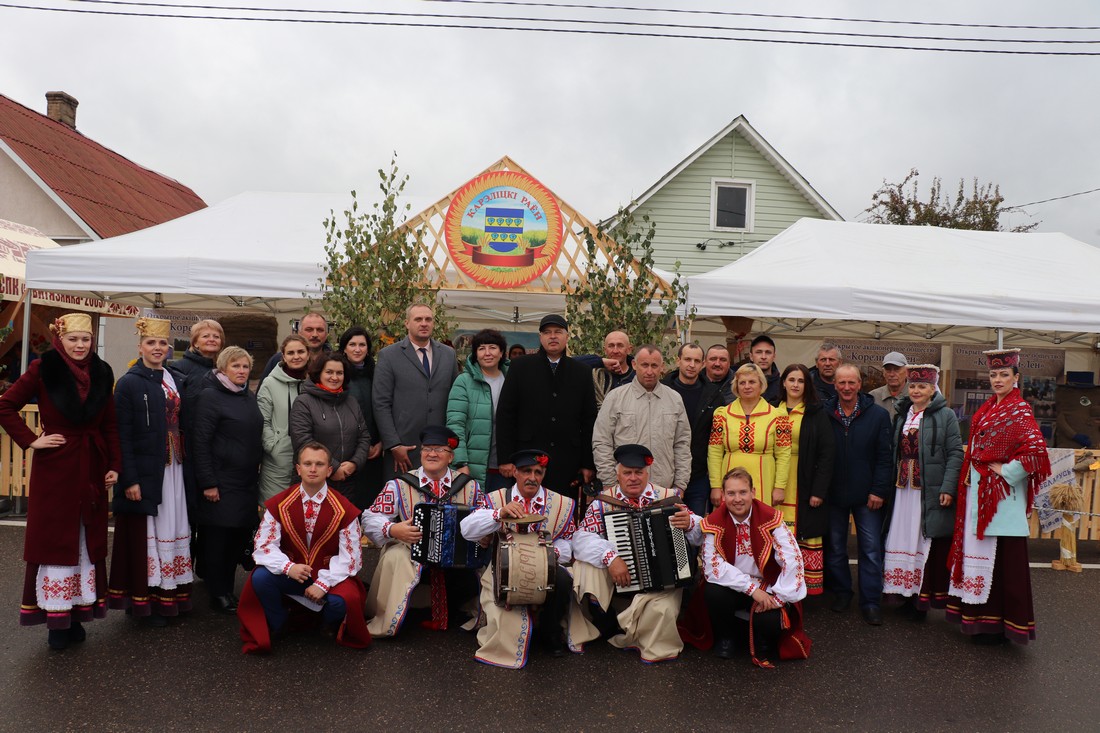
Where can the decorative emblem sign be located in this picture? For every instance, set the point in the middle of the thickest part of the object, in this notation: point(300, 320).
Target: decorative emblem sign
point(503, 229)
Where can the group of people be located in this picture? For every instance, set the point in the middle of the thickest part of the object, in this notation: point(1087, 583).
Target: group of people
point(461, 476)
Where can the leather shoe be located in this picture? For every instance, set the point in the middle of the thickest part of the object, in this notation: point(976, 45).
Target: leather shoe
point(723, 649)
point(77, 633)
point(154, 620)
point(58, 639)
point(223, 604)
point(872, 615)
point(989, 639)
point(841, 603)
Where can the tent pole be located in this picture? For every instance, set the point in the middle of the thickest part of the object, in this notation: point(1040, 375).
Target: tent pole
point(25, 356)
point(1000, 338)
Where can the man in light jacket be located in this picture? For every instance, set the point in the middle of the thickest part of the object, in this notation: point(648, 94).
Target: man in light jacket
point(649, 413)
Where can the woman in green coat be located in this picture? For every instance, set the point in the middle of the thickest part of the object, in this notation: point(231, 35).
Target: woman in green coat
point(472, 406)
point(275, 397)
point(928, 453)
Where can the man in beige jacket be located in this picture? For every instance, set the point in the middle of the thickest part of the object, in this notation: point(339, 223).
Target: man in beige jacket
point(648, 413)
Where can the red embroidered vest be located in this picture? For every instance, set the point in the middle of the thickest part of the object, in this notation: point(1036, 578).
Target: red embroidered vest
point(762, 522)
point(336, 513)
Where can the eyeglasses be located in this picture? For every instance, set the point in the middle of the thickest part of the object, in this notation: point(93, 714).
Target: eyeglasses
point(432, 449)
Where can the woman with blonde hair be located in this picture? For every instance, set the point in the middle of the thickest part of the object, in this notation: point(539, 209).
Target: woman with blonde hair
point(195, 366)
point(751, 434)
point(226, 449)
point(928, 453)
point(76, 459)
point(151, 572)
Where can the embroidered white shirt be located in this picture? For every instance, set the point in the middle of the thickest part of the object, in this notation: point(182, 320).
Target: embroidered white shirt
point(270, 555)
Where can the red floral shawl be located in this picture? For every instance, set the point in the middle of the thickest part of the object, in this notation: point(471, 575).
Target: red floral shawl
point(999, 433)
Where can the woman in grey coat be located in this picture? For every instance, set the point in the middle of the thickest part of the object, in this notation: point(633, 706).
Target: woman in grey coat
point(329, 414)
point(929, 453)
point(275, 397)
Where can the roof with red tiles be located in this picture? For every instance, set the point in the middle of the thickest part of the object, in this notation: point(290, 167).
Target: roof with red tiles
point(111, 194)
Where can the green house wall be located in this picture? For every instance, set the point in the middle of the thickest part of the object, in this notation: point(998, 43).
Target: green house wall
point(681, 209)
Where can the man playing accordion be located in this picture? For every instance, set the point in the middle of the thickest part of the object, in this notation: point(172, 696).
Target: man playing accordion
point(389, 524)
point(644, 620)
point(543, 524)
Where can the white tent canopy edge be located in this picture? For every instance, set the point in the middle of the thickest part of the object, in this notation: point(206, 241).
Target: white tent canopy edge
point(846, 271)
point(257, 250)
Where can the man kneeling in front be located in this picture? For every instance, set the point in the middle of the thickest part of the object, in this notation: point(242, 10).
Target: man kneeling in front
point(753, 570)
point(308, 552)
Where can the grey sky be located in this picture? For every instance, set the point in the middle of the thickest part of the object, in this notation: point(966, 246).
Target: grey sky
point(229, 107)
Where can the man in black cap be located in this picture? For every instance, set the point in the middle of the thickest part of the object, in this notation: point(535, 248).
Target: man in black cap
point(762, 354)
point(547, 403)
point(646, 621)
point(506, 636)
point(389, 525)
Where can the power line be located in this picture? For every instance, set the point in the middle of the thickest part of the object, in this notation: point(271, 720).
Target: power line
point(770, 15)
point(536, 29)
point(1056, 198)
point(577, 21)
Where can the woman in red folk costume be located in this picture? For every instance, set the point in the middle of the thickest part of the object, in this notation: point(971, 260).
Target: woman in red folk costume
point(990, 585)
point(76, 458)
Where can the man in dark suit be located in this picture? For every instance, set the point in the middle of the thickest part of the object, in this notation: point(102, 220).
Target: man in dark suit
point(548, 403)
point(411, 383)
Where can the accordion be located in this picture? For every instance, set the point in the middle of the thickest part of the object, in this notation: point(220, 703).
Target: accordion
point(441, 543)
point(655, 552)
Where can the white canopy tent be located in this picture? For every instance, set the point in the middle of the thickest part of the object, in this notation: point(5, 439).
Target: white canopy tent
point(257, 250)
point(939, 278)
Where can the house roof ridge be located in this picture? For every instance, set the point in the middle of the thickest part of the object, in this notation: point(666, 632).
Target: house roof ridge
point(106, 190)
point(742, 126)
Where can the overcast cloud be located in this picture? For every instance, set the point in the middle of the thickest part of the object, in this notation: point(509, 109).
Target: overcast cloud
point(229, 107)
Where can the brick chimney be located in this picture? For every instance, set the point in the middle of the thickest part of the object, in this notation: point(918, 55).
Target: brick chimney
point(62, 108)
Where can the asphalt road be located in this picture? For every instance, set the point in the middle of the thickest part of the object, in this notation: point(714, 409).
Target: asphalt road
point(897, 677)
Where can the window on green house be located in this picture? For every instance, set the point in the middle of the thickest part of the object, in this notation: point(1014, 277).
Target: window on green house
point(732, 205)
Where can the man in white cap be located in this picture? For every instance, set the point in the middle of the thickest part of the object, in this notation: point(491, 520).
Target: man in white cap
point(895, 367)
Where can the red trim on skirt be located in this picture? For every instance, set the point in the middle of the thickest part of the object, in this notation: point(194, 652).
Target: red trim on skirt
point(128, 587)
point(1009, 608)
point(937, 575)
point(31, 615)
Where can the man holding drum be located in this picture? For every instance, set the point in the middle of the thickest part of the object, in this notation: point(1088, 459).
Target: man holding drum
point(644, 620)
point(389, 524)
point(536, 526)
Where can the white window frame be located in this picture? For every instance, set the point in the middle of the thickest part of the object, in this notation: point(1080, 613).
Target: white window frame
point(750, 203)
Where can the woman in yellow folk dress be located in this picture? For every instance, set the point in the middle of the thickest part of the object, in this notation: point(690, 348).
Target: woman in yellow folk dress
point(810, 471)
point(751, 434)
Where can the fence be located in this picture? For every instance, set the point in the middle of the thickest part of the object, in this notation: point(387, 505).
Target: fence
point(15, 463)
point(1089, 526)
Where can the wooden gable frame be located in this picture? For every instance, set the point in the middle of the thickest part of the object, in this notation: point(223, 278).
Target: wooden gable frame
point(568, 269)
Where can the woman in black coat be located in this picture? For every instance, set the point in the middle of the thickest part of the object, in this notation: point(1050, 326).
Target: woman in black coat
point(226, 449)
point(356, 347)
point(194, 368)
point(327, 413)
point(151, 580)
point(811, 469)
